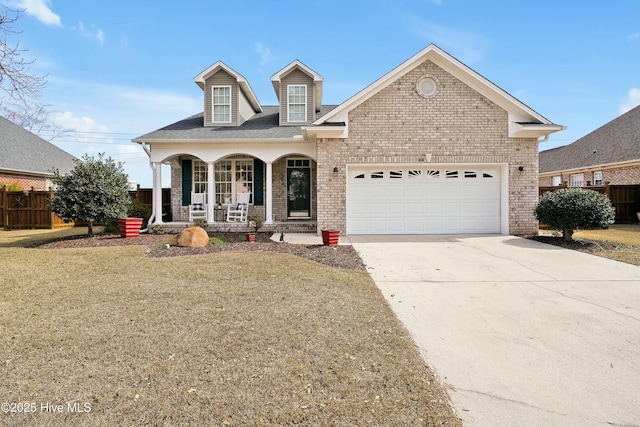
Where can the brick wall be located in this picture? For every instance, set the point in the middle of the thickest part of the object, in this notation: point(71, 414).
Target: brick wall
point(25, 181)
point(458, 125)
point(628, 175)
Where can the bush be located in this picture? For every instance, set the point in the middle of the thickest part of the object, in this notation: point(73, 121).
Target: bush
point(570, 209)
point(12, 186)
point(138, 210)
point(202, 223)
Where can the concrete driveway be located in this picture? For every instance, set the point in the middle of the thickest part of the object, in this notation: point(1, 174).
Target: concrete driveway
point(521, 333)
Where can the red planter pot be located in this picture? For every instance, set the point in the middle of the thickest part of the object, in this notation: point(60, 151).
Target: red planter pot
point(330, 237)
point(129, 227)
point(251, 237)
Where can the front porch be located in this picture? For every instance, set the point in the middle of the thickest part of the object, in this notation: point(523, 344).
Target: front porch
point(232, 227)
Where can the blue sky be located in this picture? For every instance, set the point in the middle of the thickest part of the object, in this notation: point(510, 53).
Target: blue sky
point(118, 69)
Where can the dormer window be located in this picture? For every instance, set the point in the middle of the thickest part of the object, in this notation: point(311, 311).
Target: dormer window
point(221, 104)
point(297, 103)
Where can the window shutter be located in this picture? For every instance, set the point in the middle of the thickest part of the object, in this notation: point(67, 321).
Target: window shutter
point(258, 184)
point(186, 182)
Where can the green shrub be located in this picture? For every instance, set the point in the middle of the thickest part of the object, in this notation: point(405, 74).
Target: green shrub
point(12, 186)
point(138, 210)
point(156, 229)
point(202, 223)
point(570, 209)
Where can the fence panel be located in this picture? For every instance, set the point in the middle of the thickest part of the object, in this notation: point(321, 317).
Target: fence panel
point(145, 196)
point(27, 209)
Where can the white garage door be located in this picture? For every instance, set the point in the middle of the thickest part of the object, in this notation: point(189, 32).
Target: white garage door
point(400, 199)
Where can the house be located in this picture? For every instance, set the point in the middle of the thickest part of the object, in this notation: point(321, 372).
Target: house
point(27, 160)
point(610, 154)
point(431, 147)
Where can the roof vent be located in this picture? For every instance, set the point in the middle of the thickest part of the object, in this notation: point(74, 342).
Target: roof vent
point(427, 86)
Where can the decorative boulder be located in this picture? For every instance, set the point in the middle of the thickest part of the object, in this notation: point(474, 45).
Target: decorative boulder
point(193, 237)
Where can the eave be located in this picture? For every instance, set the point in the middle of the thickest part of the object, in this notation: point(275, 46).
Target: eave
point(625, 164)
point(533, 130)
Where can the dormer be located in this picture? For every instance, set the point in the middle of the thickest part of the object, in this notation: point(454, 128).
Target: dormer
point(228, 98)
point(299, 92)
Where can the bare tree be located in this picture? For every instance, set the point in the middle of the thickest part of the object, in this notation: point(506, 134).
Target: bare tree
point(34, 117)
point(15, 79)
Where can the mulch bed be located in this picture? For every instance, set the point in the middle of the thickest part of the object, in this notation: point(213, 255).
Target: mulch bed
point(582, 245)
point(342, 256)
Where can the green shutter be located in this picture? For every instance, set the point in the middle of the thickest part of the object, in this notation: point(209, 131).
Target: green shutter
point(187, 167)
point(258, 183)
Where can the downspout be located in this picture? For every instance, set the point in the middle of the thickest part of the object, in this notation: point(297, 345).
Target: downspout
point(544, 139)
point(153, 169)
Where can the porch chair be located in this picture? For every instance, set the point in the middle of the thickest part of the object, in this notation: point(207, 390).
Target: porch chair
point(198, 206)
point(238, 212)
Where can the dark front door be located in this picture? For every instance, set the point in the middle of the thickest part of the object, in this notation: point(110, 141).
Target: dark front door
point(299, 192)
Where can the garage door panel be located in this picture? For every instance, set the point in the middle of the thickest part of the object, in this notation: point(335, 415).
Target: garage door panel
point(436, 199)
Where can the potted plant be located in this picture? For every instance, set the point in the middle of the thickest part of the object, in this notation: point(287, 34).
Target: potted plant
point(129, 227)
point(330, 237)
point(256, 222)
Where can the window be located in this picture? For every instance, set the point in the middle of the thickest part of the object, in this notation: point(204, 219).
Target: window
point(576, 180)
point(556, 180)
point(297, 103)
point(199, 176)
point(221, 104)
point(597, 178)
point(231, 177)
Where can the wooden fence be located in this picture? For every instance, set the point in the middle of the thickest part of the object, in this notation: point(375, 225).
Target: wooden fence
point(624, 198)
point(145, 196)
point(30, 208)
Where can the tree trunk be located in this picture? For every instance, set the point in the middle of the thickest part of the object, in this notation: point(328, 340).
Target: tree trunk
point(90, 229)
point(567, 235)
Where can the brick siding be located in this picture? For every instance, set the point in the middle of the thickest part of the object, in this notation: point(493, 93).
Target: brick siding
point(25, 181)
point(458, 125)
point(628, 175)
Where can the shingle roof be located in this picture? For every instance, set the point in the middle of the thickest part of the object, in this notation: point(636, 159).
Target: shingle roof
point(263, 125)
point(615, 142)
point(21, 150)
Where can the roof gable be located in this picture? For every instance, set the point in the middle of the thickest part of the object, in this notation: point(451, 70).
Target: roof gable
point(242, 82)
point(24, 152)
point(276, 80)
point(615, 142)
point(523, 121)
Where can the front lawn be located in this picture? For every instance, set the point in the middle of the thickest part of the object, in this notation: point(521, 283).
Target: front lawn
point(228, 338)
point(620, 242)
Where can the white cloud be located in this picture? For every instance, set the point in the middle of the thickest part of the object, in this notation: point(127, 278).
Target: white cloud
point(632, 101)
point(468, 47)
point(40, 10)
point(634, 36)
point(92, 32)
point(266, 56)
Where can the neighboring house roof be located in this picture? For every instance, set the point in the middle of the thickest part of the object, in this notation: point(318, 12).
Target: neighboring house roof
point(263, 126)
point(26, 153)
point(523, 121)
point(616, 142)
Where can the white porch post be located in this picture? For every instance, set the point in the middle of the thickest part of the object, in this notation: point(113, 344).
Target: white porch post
point(157, 192)
point(269, 195)
point(211, 192)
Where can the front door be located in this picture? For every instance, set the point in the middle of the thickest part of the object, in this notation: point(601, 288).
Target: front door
point(298, 192)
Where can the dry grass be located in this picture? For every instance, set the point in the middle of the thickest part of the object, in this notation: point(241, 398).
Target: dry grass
point(230, 338)
point(625, 236)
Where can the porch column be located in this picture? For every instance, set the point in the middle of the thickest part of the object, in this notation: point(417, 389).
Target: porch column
point(211, 192)
point(157, 192)
point(269, 195)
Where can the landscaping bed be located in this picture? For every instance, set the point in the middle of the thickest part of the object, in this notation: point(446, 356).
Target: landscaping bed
point(342, 256)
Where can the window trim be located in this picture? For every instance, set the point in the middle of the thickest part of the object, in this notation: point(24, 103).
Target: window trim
point(304, 103)
point(213, 104)
point(598, 181)
point(576, 178)
point(218, 195)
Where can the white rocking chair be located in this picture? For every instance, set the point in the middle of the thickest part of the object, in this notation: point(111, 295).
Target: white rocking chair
point(238, 212)
point(198, 206)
